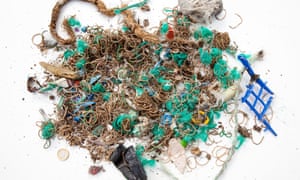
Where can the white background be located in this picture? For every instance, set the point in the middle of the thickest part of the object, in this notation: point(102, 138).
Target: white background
point(271, 25)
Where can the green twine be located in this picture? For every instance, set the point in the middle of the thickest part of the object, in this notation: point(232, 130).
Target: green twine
point(81, 46)
point(184, 117)
point(48, 130)
point(179, 58)
point(98, 88)
point(220, 68)
point(139, 149)
point(117, 123)
point(140, 4)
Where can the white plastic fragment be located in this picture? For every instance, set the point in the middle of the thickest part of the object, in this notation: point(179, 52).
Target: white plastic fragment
point(176, 154)
point(62, 82)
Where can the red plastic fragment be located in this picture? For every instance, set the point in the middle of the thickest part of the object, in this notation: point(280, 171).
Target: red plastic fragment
point(170, 34)
point(93, 170)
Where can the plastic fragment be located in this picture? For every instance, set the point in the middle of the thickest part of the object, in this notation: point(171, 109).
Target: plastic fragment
point(73, 22)
point(49, 87)
point(176, 153)
point(170, 33)
point(164, 28)
point(81, 46)
point(258, 96)
point(166, 119)
point(95, 79)
point(60, 71)
point(98, 88)
point(80, 63)
point(126, 160)
point(68, 53)
point(240, 141)
point(93, 170)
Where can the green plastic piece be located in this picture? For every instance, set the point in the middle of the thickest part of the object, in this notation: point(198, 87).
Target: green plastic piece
point(169, 105)
point(81, 46)
point(167, 86)
point(155, 72)
point(60, 102)
point(106, 96)
point(68, 53)
point(139, 91)
point(73, 22)
point(80, 63)
point(98, 88)
point(188, 86)
point(183, 143)
point(49, 87)
point(179, 58)
point(240, 141)
point(162, 80)
point(48, 130)
point(164, 28)
point(125, 28)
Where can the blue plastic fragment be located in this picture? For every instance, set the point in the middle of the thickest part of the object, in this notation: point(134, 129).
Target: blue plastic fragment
point(77, 118)
point(166, 119)
point(84, 105)
point(250, 71)
point(258, 102)
point(94, 79)
point(84, 29)
point(90, 97)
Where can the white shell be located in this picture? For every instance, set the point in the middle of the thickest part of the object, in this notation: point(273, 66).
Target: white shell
point(200, 11)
